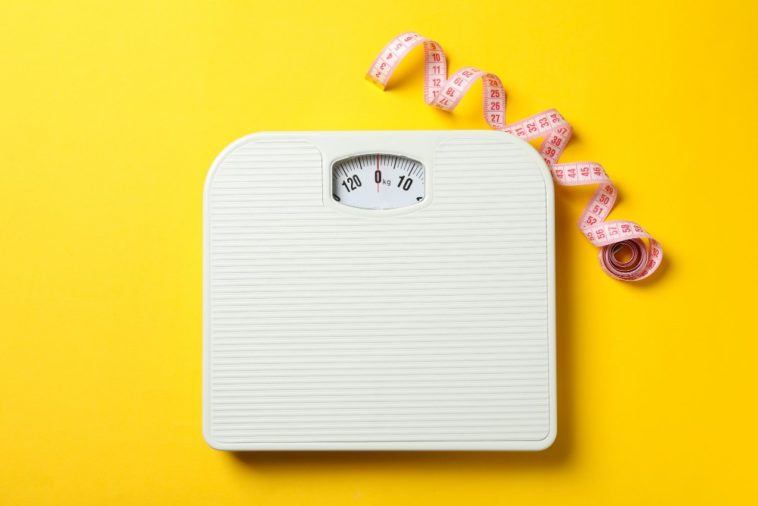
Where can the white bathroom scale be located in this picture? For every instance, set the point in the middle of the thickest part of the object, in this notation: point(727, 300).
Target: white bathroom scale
point(389, 290)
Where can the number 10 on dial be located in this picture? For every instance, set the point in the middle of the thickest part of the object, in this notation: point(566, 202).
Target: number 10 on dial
point(378, 181)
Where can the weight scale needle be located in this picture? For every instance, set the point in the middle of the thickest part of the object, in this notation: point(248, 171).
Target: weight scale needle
point(377, 171)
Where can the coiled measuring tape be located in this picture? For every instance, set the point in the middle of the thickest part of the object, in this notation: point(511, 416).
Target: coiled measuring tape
point(623, 254)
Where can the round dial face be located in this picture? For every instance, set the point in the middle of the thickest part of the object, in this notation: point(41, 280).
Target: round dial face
point(378, 181)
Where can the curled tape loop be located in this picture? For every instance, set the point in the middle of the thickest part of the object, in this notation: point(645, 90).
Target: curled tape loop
point(612, 237)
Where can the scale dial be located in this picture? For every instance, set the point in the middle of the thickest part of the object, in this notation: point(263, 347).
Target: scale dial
point(378, 181)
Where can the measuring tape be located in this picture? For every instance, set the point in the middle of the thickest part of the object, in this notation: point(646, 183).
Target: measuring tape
point(623, 255)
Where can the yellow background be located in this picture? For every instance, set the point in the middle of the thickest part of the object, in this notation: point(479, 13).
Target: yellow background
point(111, 114)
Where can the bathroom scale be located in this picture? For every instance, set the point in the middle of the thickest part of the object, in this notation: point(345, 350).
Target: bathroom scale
point(379, 290)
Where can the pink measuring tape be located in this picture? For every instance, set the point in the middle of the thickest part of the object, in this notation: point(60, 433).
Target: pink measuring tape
point(612, 237)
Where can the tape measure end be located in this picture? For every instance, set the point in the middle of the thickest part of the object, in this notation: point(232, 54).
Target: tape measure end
point(374, 82)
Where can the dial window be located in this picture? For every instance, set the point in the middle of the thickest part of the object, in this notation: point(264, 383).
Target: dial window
point(378, 181)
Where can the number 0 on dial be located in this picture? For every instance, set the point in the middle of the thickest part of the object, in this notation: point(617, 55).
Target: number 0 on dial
point(378, 181)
